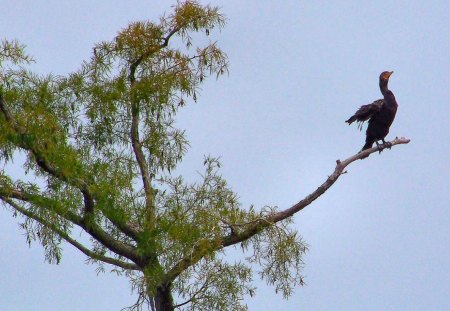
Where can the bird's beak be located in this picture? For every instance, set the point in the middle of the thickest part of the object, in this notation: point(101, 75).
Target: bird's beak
point(390, 73)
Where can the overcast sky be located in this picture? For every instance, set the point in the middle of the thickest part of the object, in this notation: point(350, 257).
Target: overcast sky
point(379, 239)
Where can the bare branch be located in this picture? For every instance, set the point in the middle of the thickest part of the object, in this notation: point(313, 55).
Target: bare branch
point(339, 170)
point(258, 226)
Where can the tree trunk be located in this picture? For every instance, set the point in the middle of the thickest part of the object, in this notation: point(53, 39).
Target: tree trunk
point(163, 299)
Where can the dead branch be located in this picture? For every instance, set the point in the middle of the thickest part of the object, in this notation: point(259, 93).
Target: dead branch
point(338, 171)
point(258, 226)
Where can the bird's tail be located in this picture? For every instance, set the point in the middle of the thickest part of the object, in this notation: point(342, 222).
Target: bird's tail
point(351, 120)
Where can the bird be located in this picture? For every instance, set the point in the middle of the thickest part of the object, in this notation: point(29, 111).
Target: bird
point(380, 113)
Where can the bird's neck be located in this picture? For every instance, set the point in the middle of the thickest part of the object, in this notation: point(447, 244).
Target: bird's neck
point(384, 86)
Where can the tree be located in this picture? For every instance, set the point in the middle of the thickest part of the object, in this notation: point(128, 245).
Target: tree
point(100, 147)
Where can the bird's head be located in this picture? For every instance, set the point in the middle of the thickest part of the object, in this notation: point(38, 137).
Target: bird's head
point(385, 75)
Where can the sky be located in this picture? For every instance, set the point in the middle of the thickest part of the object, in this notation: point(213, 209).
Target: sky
point(378, 239)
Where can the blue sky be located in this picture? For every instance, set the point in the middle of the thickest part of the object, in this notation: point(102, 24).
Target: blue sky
point(379, 239)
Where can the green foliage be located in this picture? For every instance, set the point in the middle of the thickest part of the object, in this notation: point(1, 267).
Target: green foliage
point(14, 53)
point(101, 146)
point(279, 253)
point(215, 284)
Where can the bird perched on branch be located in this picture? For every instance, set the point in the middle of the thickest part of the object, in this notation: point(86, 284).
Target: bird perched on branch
point(380, 113)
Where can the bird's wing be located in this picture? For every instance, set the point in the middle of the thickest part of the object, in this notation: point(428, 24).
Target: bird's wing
point(365, 112)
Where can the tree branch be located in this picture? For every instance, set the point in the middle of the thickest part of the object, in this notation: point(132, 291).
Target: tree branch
point(263, 223)
point(46, 166)
point(135, 141)
point(338, 171)
point(90, 227)
point(137, 148)
point(169, 35)
point(4, 108)
point(65, 236)
point(193, 296)
point(140, 156)
point(138, 61)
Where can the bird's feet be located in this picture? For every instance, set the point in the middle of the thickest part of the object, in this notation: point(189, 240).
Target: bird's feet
point(384, 145)
point(380, 147)
point(387, 144)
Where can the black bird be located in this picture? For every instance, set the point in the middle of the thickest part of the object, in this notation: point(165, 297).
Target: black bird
point(380, 113)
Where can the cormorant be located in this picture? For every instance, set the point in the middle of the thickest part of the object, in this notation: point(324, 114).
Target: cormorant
point(380, 113)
